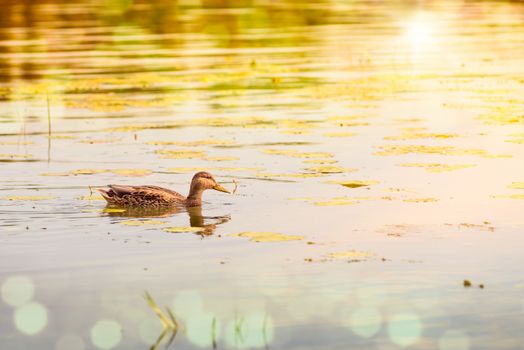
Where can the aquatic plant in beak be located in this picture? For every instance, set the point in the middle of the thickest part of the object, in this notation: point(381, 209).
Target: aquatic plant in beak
point(154, 196)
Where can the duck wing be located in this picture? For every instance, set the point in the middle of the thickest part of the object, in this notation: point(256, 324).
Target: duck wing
point(141, 195)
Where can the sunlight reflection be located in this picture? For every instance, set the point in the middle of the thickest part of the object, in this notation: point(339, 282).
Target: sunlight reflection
point(419, 33)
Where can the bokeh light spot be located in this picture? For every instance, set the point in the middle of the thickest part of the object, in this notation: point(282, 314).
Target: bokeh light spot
point(200, 329)
point(30, 318)
point(17, 290)
point(70, 342)
point(106, 334)
point(453, 340)
point(404, 329)
point(365, 322)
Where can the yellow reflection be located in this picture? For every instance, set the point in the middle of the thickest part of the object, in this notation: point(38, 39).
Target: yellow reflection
point(106, 334)
point(70, 342)
point(31, 318)
point(453, 340)
point(404, 329)
point(17, 290)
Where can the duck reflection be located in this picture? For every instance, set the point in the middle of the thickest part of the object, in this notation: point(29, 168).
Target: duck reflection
point(196, 219)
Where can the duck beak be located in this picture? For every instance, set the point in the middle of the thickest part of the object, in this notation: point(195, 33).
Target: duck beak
point(217, 187)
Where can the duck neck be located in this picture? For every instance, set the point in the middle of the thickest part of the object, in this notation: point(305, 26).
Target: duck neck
point(195, 196)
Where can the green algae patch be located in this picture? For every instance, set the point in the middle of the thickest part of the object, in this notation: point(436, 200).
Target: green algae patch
point(267, 236)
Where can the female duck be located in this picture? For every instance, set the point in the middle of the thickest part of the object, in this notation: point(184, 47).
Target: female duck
point(154, 196)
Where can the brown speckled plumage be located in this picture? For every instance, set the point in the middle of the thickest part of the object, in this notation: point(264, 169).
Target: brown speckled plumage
point(154, 196)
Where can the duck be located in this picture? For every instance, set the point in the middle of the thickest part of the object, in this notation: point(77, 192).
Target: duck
point(154, 196)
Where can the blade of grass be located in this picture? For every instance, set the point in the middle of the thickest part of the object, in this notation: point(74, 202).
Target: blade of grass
point(165, 320)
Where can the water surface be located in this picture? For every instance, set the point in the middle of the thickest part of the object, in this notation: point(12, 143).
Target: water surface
point(377, 146)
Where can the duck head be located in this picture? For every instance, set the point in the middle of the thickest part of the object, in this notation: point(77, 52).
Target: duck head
point(204, 181)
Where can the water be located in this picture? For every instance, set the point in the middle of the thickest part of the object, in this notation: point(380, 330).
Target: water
point(415, 106)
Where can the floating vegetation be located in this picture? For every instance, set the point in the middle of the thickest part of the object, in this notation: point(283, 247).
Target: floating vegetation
point(355, 183)
point(90, 197)
point(131, 172)
point(206, 142)
point(95, 141)
point(397, 230)
point(410, 135)
point(87, 171)
point(517, 185)
point(395, 150)
point(336, 201)
point(55, 174)
point(510, 196)
point(438, 167)
point(15, 156)
point(297, 154)
point(180, 154)
point(221, 159)
point(142, 222)
point(485, 226)
point(469, 284)
point(267, 236)
point(28, 198)
point(351, 255)
point(326, 169)
point(421, 200)
point(320, 161)
point(184, 229)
